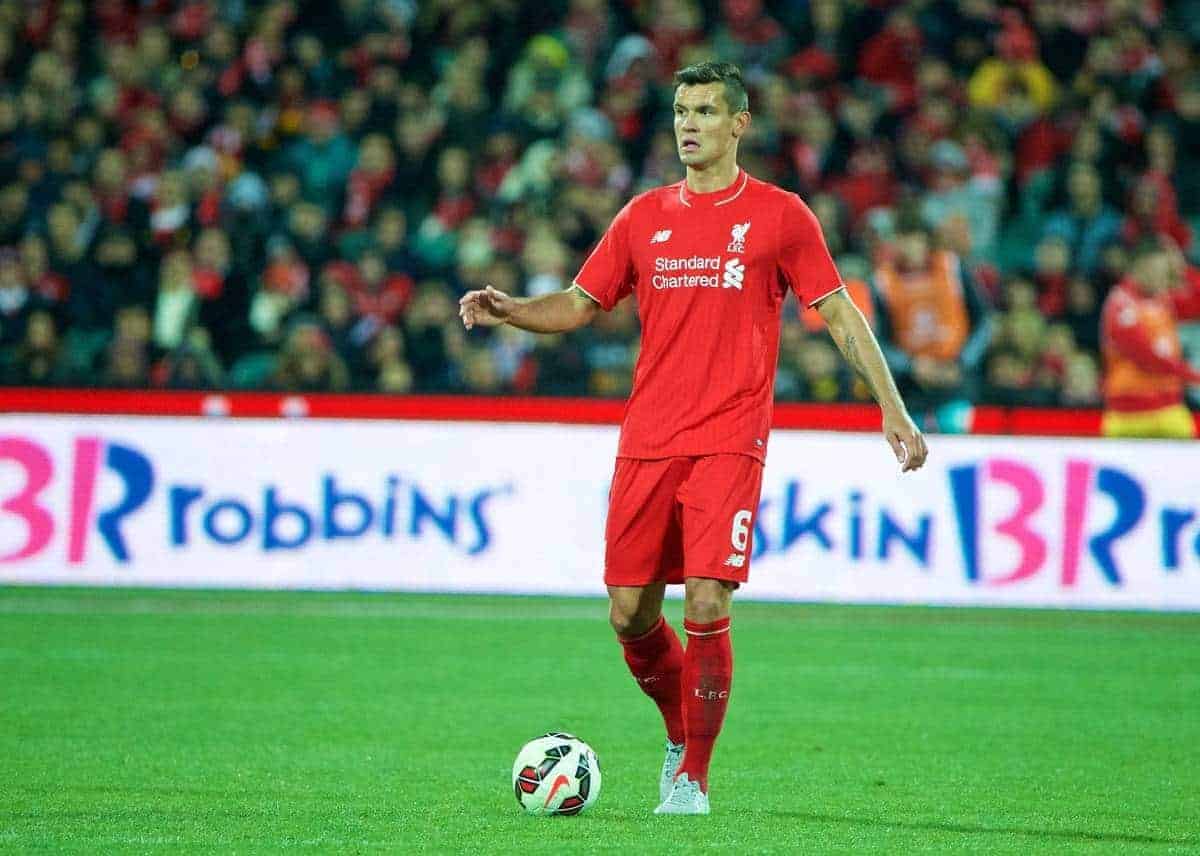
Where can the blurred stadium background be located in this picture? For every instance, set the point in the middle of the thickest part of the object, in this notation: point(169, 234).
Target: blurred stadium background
point(292, 195)
point(268, 210)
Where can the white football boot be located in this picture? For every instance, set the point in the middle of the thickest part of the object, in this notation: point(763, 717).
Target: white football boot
point(685, 798)
point(670, 767)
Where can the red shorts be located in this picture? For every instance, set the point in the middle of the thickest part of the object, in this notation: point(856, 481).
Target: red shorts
point(675, 518)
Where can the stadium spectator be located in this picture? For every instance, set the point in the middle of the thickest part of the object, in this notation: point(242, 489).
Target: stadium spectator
point(889, 58)
point(323, 158)
point(1081, 383)
point(386, 365)
point(932, 323)
point(1153, 211)
point(963, 207)
point(38, 360)
point(308, 363)
point(369, 180)
point(347, 333)
point(1016, 71)
point(1145, 375)
point(14, 209)
point(607, 353)
point(544, 87)
point(192, 365)
point(748, 36)
point(176, 309)
point(1083, 312)
point(127, 360)
point(434, 341)
point(1052, 266)
point(1088, 224)
point(283, 287)
point(16, 299)
point(1184, 123)
point(47, 287)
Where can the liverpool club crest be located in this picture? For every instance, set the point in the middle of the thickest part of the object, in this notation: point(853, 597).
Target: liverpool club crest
point(737, 237)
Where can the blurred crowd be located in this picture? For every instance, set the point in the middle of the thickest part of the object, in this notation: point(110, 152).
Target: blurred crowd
point(293, 195)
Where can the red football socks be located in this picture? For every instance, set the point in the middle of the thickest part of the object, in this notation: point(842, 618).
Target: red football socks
point(656, 660)
point(707, 675)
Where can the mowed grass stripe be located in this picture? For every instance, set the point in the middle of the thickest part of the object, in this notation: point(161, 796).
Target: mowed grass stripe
point(135, 721)
point(467, 607)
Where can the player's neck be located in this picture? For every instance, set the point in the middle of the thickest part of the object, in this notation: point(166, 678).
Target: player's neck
point(714, 177)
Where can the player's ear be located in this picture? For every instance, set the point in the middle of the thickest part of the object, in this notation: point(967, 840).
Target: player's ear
point(741, 121)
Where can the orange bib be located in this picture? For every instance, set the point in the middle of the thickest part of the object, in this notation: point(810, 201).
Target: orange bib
point(927, 308)
point(1123, 377)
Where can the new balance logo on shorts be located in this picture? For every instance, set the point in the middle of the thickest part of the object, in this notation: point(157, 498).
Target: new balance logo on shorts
point(661, 236)
point(735, 272)
point(735, 560)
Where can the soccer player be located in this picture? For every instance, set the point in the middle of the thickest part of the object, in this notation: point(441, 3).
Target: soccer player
point(711, 260)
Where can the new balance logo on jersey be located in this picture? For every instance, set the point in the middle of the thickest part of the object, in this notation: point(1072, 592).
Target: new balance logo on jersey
point(735, 272)
point(661, 236)
point(735, 560)
point(737, 237)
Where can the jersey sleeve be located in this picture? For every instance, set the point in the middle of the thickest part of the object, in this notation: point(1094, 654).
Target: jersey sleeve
point(608, 274)
point(1119, 322)
point(804, 260)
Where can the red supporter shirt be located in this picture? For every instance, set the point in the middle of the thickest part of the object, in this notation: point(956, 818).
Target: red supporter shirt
point(1144, 364)
point(710, 271)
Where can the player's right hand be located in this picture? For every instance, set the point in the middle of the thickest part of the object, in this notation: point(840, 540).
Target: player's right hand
point(486, 307)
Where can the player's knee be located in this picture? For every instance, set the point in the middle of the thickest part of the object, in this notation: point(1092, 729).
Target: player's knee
point(622, 624)
point(706, 601)
point(703, 610)
point(629, 622)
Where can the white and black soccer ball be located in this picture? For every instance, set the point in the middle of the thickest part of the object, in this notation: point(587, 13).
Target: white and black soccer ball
point(556, 773)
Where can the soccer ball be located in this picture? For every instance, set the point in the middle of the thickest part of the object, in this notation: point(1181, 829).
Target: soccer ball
point(556, 773)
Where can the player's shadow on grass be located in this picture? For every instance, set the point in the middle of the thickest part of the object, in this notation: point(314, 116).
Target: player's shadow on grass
point(1080, 835)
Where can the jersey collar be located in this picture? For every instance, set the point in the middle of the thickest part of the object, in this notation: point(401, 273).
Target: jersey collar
point(691, 199)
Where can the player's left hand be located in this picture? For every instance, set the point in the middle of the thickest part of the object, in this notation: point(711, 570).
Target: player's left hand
point(906, 440)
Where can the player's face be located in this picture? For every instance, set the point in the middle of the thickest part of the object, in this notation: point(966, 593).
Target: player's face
point(705, 129)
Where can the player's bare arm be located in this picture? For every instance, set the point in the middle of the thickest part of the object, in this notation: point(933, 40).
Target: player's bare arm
point(550, 313)
point(857, 343)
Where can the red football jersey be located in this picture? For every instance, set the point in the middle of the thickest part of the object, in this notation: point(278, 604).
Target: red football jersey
point(710, 271)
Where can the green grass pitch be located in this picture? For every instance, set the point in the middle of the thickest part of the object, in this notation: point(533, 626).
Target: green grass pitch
point(218, 722)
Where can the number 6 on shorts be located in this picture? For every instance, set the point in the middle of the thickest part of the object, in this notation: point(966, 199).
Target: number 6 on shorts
point(740, 535)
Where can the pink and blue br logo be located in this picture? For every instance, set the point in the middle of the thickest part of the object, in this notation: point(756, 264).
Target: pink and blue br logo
point(91, 456)
point(107, 483)
point(1083, 482)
